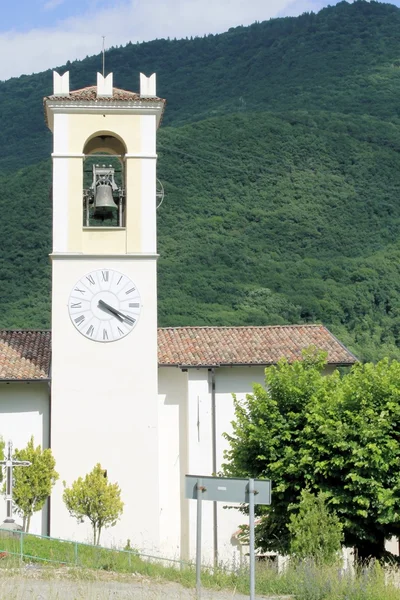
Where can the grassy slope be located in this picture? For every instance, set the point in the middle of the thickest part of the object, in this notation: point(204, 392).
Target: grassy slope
point(303, 580)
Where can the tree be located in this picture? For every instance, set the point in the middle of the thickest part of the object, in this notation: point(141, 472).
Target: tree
point(335, 434)
point(354, 445)
point(268, 441)
point(314, 532)
point(96, 499)
point(33, 485)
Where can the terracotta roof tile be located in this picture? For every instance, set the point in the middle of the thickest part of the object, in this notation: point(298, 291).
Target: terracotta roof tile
point(213, 346)
point(26, 354)
point(89, 94)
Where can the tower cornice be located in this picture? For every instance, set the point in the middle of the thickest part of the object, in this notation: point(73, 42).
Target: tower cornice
point(80, 255)
point(104, 106)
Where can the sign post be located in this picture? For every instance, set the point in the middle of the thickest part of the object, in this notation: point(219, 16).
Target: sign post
point(198, 538)
point(226, 489)
point(252, 542)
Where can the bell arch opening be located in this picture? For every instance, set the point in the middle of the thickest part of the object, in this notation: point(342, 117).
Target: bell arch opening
point(104, 181)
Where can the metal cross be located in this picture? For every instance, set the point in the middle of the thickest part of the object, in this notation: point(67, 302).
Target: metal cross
point(9, 463)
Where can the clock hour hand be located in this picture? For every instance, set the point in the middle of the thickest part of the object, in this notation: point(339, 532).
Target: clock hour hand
point(117, 313)
point(111, 310)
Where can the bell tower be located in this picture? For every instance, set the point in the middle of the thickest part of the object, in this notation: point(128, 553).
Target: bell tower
point(104, 299)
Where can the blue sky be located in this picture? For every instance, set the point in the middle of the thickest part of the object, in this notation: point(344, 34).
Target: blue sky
point(42, 34)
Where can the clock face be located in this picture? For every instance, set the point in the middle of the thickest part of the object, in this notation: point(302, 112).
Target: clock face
point(104, 305)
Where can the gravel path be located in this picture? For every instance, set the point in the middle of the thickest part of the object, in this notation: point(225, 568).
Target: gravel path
point(37, 588)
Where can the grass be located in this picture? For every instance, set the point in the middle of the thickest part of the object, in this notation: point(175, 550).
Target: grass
point(305, 580)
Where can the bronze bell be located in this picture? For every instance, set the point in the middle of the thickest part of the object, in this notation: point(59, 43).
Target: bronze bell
point(104, 205)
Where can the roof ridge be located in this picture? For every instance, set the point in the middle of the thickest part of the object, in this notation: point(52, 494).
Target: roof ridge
point(26, 330)
point(92, 87)
point(245, 326)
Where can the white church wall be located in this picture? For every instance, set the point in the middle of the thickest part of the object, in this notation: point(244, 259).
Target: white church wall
point(24, 409)
point(200, 455)
point(237, 380)
point(104, 407)
point(172, 447)
point(228, 381)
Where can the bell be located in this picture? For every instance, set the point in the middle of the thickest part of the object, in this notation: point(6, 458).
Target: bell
point(104, 205)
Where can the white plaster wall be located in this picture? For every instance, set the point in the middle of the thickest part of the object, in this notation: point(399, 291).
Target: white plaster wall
point(235, 380)
point(104, 405)
point(172, 448)
point(200, 455)
point(148, 179)
point(60, 183)
point(24, 409)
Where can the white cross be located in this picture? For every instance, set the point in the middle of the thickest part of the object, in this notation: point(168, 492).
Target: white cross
point(9, 463)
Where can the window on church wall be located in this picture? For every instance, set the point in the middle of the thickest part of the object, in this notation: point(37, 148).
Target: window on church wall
point(104, 183)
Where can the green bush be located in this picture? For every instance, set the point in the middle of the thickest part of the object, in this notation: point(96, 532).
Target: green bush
point(315, 533)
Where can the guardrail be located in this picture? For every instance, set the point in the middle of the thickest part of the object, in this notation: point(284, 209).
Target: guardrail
point(39, 548)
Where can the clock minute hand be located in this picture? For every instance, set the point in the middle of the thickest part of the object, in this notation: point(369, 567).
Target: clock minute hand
point(110, 309)
point(117, 313)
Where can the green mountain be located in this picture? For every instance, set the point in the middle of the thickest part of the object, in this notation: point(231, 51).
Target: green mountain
point(279, 153)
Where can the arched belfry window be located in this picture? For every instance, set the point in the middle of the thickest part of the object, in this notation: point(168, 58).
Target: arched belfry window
point(104, 181)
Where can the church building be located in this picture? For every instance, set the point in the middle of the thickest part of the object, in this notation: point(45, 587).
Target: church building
point(106, 385)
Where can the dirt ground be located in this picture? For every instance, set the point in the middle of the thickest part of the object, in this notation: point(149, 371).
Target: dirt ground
point(41, 586)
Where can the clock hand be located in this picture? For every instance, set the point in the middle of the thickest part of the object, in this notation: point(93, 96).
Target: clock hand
point(117, 313)
point(111, 310)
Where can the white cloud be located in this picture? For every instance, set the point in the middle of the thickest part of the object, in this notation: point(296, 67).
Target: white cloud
point(51, 4)
point(128, 20)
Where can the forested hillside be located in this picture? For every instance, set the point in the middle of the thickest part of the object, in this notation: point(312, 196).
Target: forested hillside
point(279, 153)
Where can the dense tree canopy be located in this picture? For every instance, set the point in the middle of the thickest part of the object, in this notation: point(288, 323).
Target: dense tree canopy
point(279, 154)
point(338, 435)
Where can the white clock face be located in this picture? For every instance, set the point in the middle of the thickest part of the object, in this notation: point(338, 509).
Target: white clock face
point(104, 305)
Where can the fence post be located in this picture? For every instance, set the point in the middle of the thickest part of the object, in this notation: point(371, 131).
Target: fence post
point(21, 545)
point(76, 552)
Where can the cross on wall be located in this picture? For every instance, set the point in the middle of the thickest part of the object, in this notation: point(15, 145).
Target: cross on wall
point(10, 463)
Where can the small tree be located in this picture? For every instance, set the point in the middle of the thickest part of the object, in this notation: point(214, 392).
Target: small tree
point(33, 485)
point(314, 532)
point(96, 499)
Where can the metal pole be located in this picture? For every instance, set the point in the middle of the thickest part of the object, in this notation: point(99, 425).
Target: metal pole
point(198, 539)
point(104, 57)
point(252, 543)
point(214, 464)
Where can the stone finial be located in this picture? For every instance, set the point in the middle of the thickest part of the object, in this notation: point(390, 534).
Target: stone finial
point(147, 86)
point(60, 84)
point(104, 85)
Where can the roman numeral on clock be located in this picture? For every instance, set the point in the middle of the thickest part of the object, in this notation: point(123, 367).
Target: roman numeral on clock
point(104, 305)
